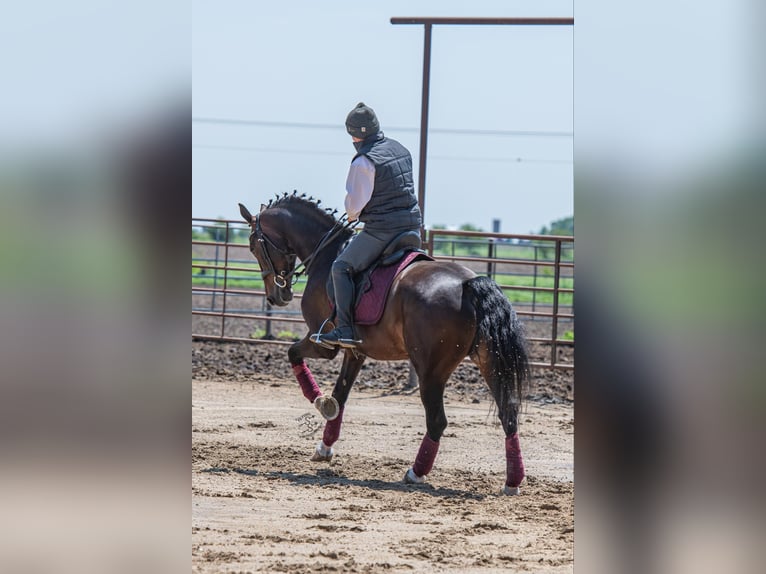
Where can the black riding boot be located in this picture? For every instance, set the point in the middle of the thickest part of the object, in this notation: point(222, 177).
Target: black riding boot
point(343, 285)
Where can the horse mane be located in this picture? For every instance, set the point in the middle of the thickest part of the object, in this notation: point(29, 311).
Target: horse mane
point(288, 200)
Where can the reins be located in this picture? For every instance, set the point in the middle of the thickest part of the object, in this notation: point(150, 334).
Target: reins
point(281, 278)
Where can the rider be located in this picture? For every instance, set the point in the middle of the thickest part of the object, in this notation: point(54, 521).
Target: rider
point(380, 193)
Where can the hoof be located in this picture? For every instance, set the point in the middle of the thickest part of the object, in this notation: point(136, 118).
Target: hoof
point(328, 407)
point(511, 490)
point(322, 453)
point(319, 457)
point(411, 478)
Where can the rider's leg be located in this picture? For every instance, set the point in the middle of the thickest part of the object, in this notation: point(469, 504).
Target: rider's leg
point(361, 252)
point(343, 285)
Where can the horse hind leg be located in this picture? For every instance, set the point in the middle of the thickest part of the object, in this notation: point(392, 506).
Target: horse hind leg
point(508, 415)
point(514, 464)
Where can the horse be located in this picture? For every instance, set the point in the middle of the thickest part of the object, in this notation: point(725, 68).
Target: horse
point(436, 314)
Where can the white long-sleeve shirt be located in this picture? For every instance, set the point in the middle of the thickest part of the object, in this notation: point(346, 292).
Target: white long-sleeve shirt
point(359, 184)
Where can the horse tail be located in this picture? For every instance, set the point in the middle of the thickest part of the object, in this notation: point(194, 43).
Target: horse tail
point(499, 347)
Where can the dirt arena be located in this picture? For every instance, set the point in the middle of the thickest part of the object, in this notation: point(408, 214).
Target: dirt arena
point(259, 504)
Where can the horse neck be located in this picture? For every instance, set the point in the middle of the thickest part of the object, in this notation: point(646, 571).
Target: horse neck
point(304, 232)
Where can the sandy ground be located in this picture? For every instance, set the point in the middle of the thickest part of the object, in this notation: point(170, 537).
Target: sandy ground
point(259, 504)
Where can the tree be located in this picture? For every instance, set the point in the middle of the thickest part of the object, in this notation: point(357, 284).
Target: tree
point(563, 226)
point(473, 248)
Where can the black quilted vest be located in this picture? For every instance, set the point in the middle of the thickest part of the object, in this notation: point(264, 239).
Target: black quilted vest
point(393, 205)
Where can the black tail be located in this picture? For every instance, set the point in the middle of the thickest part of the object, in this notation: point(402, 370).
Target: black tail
point(500, 331)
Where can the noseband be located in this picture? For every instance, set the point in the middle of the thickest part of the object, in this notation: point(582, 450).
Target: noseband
point(281, 278)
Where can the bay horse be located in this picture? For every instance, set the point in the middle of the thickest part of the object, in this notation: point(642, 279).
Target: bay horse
point(436, 314)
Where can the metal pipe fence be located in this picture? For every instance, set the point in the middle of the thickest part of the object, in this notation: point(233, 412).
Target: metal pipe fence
point(229, 303)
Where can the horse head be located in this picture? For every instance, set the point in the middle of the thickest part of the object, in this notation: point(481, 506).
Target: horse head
point(274, 255)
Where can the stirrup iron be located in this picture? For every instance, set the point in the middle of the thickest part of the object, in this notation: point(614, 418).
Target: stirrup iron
point(316, 338)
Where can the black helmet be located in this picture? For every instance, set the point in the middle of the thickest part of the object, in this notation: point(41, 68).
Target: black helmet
point(362, 122)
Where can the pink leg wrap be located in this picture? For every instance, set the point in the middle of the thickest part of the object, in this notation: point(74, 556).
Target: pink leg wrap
point(426, 456)
point(332, 429)
point(514, 465)
point(306, 380)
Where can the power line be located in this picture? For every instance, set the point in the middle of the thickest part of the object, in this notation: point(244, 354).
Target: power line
point(336, 153)
point(271, 150)
point(499, 159)
point(304, 125)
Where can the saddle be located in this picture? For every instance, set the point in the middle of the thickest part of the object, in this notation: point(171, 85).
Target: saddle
point(372, 285)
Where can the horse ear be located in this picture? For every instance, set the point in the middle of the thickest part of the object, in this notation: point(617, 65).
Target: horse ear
point(245, 213)
point(263, 206)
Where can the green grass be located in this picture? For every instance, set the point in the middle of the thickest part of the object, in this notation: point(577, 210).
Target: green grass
point(208, 281)
point(282, 335)
point(256, 283)
point(245, 280)
point(235, 279)
point(530, 296)
point(288, 336)
point(502, 251)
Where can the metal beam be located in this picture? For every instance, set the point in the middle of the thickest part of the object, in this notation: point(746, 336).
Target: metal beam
point(424, 126)
point(428, 24)
point(487, 21)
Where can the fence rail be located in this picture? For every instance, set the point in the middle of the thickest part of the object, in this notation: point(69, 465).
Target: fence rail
point(229, 304)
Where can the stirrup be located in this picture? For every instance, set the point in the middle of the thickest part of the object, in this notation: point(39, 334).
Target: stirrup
point(316, 338)
point(346, 343)
point(349, 343)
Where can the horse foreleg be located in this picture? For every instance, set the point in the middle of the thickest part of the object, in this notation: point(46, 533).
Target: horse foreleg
point(324, 451)
point(327, 406)
point(352, 364)
point(297, 353)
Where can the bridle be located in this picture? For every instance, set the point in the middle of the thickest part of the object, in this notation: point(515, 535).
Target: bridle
point(281, 278)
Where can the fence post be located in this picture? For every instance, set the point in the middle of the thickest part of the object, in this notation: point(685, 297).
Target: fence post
point(412, 378)
point(491, 255)
point(555, 325)
point(268, 334)
point(225, 273)
point(534, 284)
point(215, 275)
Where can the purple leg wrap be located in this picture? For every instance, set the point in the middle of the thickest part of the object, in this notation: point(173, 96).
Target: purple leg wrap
point(426, 456)
point(514, 465)
point(332, 429)
point(306, 380)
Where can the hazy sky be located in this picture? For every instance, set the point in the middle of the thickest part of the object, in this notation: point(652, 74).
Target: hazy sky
point(303, 65)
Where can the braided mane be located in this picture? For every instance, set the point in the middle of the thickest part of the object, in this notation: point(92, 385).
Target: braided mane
point(293, 199)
